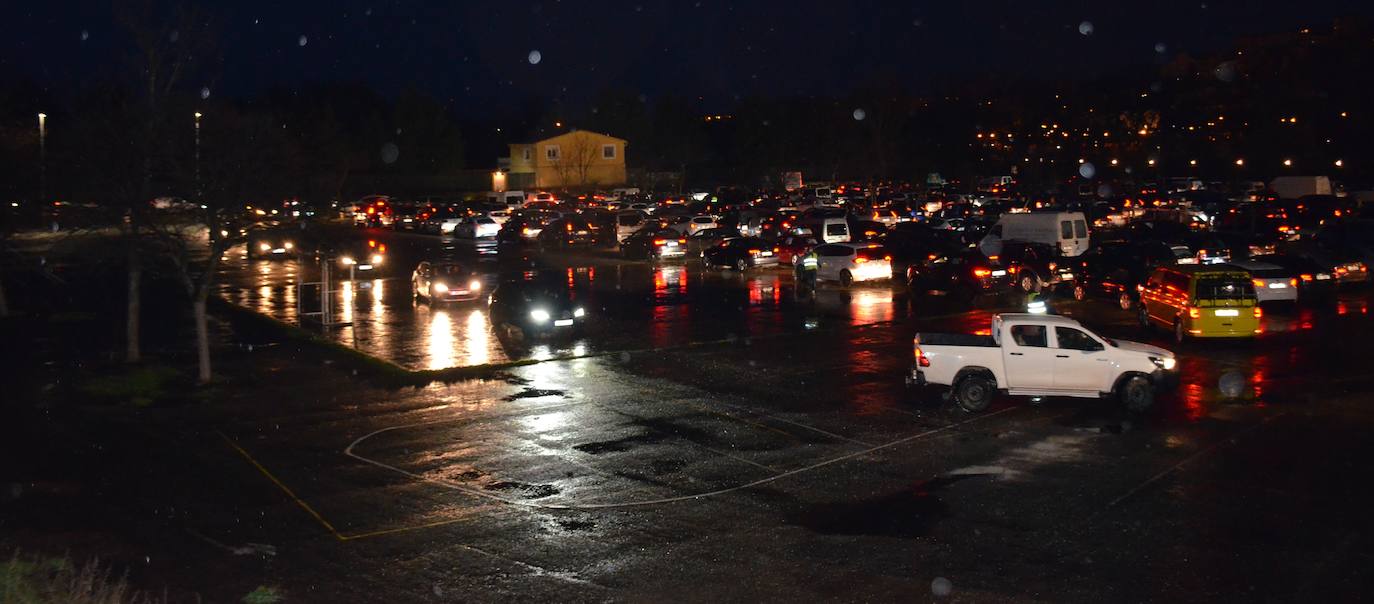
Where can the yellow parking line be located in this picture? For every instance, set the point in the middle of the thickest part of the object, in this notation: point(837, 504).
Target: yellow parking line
point(285, 489)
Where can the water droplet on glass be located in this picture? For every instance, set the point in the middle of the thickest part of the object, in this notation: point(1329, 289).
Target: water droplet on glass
point(643, 99)
point(1231, 383)
point(1156, 86)
point(85, 35)
point(204, 92)
point(398, 132)
point(303, 40)
point(368, 12)
point(1226, 71)
point(174, 36)
point(1087, 170)
point(915, 22)
point(941, 587)
point(390, 152)
point(859, 115)
point(535, 57)
point(1086, 28)
point(1160, 47)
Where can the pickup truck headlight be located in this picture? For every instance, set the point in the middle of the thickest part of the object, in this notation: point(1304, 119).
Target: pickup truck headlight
point(1166, 363)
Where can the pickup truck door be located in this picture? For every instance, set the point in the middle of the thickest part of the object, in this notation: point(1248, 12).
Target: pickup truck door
point(1080, 361)
point(1028, 359)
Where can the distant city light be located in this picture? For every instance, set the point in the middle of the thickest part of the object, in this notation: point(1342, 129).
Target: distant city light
point(1114, 162)
point(1288, 163)
point(1192, 162)
point(1340, 164)
point(1240, 161)
point(1151, 162)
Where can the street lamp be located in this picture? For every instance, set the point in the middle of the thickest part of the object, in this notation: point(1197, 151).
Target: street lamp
point(42, 157)
point(199, 195)
point(1240, 161)
point(1340, 164)
point(1287, 163)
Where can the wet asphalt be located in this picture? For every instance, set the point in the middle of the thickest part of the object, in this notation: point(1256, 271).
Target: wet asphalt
point(714, 436)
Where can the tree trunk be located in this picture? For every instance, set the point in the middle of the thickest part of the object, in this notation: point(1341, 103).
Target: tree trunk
point(133, 353)
point(202, 339)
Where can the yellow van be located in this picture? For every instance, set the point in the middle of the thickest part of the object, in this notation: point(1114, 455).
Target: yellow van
point(1201, 301)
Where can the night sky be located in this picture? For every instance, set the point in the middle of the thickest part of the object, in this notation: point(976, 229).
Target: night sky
point(475, 55)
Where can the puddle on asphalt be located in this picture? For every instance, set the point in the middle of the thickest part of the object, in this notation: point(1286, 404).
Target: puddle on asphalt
point(911, 512)
point(532, 393)
point(526, 491)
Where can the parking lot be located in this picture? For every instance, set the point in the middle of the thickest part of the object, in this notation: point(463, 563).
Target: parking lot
point(763, 445)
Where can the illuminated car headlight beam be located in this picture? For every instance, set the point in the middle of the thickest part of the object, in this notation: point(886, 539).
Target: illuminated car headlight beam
point(539, 315)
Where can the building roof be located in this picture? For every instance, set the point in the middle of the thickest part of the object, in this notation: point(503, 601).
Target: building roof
point(572, 131)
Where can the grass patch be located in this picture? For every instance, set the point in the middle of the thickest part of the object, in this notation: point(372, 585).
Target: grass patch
point(140, 385)
point(264, 594)
point(31, 579)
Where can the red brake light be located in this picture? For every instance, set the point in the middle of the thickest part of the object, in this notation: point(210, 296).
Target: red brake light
point(860, 260)
point(371, 243)
point(682, 240)
point(1306, 277)
point(382, 248)
point(1258, 312)
point(981, 272)
point(1293, 282)
point(1257, 282)
point(660, 241)
point(1196, 313)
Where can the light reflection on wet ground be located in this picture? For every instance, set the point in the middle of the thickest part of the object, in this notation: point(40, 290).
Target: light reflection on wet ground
point(636, 305)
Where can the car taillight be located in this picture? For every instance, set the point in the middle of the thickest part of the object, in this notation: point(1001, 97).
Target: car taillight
point(1194, 312)
point(981, 272)
point(1293, 282)
point(754, 252)
point(1305, 277)
point(660, 241)
point(1257, 282)
point(1258, 312)
point(921, 359)
point(1011, 270)
point(682, 241)
point(776, 250)
point(860, 260)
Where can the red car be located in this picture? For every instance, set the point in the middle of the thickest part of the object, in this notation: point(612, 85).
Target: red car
point(792, 247)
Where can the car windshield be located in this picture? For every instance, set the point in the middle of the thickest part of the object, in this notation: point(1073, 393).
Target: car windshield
point(871, 253)
point(450, 270)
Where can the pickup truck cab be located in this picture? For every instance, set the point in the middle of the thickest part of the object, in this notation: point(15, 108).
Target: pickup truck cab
point(1040, 355)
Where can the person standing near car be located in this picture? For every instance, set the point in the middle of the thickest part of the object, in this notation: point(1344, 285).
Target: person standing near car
point(805, 271)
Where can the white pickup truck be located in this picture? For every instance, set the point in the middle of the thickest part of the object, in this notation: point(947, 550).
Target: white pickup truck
point(1040, 355)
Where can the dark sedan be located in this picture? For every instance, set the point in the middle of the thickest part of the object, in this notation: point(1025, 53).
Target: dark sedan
point(651, 243)
point(568, 232)
point(521, 310)
point(740, 253)
point(966, 274)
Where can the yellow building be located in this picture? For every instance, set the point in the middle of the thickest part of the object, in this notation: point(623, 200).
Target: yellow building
point(574, 159)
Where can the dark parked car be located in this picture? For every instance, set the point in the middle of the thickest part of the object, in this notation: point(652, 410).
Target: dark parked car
point(568, 232)
point(1316, 280)
point(445, 281)
point(965, 274)
point(740, 253)
point(522, 310)
point(654, 243)
point(1037, 265)
point(705, 238)
point(1114, 270)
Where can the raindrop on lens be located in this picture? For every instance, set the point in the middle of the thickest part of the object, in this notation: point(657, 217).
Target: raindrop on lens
point(85, 35)
point(302, 41)
point(1160, 47)
point(174, 36)
point(535, 57)
point(390, 152)
point(204, 92)
point(941, 587)
point(1231, 384)
point(1087, 170)
point(1086, 28)
point(859, 115)
point(1226, 71)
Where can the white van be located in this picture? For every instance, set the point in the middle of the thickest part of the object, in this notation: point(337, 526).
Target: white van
point(1066, 231)
point(833, 230)
point(513, 200)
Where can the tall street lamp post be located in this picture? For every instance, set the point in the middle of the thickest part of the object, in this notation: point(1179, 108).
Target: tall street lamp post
point(43, 157)
point(199, 194)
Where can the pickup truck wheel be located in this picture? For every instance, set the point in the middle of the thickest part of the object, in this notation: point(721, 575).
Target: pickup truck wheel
point(974, 393)
point(1030, 283)
point(1125, 301)
point(1080, 293)
point(1137, 394)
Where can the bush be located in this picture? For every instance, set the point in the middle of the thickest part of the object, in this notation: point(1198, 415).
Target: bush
point(25, 580)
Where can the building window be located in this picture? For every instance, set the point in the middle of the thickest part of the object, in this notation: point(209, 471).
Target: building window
point(607, 151)
point(552, 152)
point(528, 152)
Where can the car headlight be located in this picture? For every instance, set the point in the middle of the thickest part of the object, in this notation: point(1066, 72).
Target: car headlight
point(346, 261)
point(264, 246)
point(474, 285)
point(288, 245)
point(377, 259)
point(579, 312)
point(539, 315)
point(440, 288)
point(1166, 363)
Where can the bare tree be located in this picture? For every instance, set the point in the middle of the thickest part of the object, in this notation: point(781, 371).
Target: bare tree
point(576, 158)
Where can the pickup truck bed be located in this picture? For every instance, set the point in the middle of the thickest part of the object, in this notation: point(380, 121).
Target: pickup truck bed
point(955, 339)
